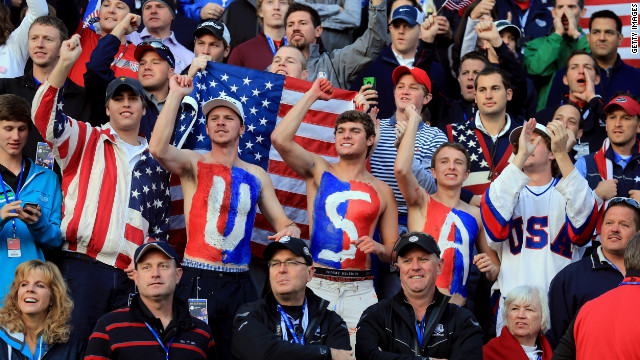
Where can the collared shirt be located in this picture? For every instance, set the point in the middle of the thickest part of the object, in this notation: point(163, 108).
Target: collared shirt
point(506, 127)
point(402, 61)
point(183, 56)
point(604, 260)
point(12, 179)
point(154, 99)
point(134, 152)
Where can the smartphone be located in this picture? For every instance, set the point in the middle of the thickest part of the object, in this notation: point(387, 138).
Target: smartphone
point(30, 207)
point(369, 80)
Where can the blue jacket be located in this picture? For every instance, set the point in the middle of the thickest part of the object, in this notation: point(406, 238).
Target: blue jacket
point(13, 347)
point(573, 286)
point(41, 186)
point(619, 77)
point(382, 68)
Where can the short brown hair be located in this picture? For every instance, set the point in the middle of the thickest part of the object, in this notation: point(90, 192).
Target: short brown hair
point(15, 108)
point(259, 4)
point(455, 146)
point(360, 118)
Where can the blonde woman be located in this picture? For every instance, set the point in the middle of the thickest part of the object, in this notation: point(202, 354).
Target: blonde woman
point(35, 314)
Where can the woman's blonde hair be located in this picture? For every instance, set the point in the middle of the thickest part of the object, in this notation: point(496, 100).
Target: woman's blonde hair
point(55, 328)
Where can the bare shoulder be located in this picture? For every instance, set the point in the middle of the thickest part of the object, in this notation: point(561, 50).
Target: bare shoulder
point(254, 170)
point(473, 210)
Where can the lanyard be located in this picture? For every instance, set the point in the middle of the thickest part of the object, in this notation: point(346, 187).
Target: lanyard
point(523, 18)
point(166, 349)
point(420, 330)
point(272, 44)
point(6, 196)
point(284, 320)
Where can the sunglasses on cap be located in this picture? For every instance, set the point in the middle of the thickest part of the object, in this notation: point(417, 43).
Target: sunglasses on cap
point(156, 44)
point(620, 199)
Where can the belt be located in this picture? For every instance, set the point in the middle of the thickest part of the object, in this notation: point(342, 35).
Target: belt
point(340, 275)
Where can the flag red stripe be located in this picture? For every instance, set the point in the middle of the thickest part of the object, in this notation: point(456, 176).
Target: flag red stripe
point(280, 168)
point(304, 86)
point(626, 21)
point(177, 207)
point(105, 202)
point(314, 117)
point(317, 146)
point(292, 199)
point(85, 174)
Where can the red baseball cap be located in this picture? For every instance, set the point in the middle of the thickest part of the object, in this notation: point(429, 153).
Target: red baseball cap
point(626, 103)
point(417, 73)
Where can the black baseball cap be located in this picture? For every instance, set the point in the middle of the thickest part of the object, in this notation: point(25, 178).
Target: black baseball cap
point(168, 3)
point(425, 241)
point(216, 28)
point(116, 83)
point(161, 49)
point(295, 245)
point(155, 245)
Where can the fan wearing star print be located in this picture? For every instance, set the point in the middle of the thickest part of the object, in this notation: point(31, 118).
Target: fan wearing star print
point(454, 224)
point(345, 203)
point(220, 196)
point(536, 222)
point(116, 196)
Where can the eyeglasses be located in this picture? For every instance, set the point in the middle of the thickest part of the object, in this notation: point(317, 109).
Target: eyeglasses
point(287, 264)
point(626, 200)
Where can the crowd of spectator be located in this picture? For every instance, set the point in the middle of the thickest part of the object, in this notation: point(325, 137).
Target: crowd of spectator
point(480, 199)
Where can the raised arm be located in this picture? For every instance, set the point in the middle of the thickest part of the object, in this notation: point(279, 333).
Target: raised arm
point(69, 53)
point(303, 162)
point(412, 192)
point(175, 160)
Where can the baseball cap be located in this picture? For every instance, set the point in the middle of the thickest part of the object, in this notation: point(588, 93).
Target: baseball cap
point(161, 49)
point(170, 4)
point(515, 134)
point(504, 24)
point(131, 4)
point(409, 240)
point(408, 13)
point(295, 245)
point(229, 102)
point(629, 105)
point(215, 28)
point(155, 245)
point(417, 73)
point(124, 81)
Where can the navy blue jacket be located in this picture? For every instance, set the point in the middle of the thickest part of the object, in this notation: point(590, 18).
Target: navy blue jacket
point(628, 178)
point(382, 68)
point(593, 124)
point(573, 286)
point(538, 23)
point(98, 76)
point(619, 77)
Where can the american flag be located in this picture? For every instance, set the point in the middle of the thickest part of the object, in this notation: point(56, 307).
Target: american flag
point(622, 8)
point(457, 5)
point(265, 98)
point(91, 14)
point(108, 210)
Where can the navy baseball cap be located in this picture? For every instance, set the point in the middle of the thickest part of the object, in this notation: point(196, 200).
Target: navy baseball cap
point(116, 83)
point(295, 245)
point(408, 13)
point(155, 245)
point(419, 239)
point(161, 49)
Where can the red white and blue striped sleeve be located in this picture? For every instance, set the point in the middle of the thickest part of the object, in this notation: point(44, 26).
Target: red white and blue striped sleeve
point(582, 208)
point(499, 200)
point(64, 134)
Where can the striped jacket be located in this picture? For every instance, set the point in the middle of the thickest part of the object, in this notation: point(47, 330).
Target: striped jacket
point(126, 334)
point(109, 209)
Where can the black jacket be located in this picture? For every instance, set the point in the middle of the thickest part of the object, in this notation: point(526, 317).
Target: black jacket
point(387, 330)
point(257, 333)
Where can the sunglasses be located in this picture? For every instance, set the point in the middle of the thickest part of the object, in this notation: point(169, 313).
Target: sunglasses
point(620, 199)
